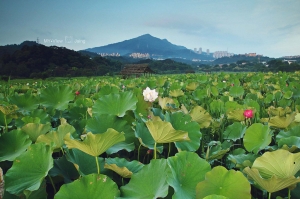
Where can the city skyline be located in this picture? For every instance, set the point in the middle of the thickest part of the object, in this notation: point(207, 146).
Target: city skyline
point(271, 28)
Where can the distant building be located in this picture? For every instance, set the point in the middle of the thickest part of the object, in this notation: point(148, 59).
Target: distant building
point(219, 54)
point(109, 54)
point(200, 50)
point(207, 51)
point(140, 55)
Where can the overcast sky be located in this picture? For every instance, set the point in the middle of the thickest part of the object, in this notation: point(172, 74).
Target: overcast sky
point(268, 27)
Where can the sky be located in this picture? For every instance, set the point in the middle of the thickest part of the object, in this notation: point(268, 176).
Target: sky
point(267, 27)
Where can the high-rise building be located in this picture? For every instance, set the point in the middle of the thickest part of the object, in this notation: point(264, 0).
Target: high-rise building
point(207, 51)
point(200, 50)
point(195, 50)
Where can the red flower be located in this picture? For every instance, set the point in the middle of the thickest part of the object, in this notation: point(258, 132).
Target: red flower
point(77, 93)
point(248, 113)
point(149, 151)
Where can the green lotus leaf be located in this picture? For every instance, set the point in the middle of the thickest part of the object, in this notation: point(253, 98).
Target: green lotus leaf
point(35, 130)
point(294, 131)
point(115, 104)
point(142, 107)
point(176, 93)
point(290, 142)
point(251, 104)
point(123, 167)
point(214, 91)
point(187, 169)
point(242, 160)
point(149, 182)
point(236, 91)
point(163, 132)
point(288, 95)
point(107, 90)
point(199, 94)
point(85, 163)
point(282, 122)
point(215, 197)
point(257, 137)
point(56, 97)
point(25, 103)
point(93, 186)
point(281, 163)
point(41, 193)
point(215, 151)
point(234, 131)
point(164, 102)
point(144, 136)
point(268, 98)
point(191, 86)
point(57, 137)
point(13, 144)
point(62, 167)
point(29, 169)
point(202, 79)
point(100, 124)
point(272, 184)
point(232, 184)
point(201, 116)
point(181, 121)
point(231, 105)
point(95, 144)
point(236, 115)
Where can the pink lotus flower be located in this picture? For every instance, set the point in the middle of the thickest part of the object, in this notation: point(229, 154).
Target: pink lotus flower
point(248, 113)
point(77, 93)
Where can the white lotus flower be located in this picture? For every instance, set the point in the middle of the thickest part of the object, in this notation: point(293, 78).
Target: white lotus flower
point(150, 95)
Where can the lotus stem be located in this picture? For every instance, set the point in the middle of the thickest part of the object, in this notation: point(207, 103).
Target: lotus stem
point(155, 150)
point(6, 126)
point(169, 149)
point(54, 189)
point(289, 194)
point(269, 195)
point(97, 163)
point(139, 152)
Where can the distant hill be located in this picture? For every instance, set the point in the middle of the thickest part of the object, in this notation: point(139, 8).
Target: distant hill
point(9, 49)
point(157, 48)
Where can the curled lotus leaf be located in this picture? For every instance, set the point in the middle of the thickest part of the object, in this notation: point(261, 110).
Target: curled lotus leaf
point(236, 91)
point(201, 116)
point(176, 93)
point(279, 111)
point(95, 144)
point(282, 122)
point(236, 115)
point(163, 102)
point(191, 86)
point(163, 132)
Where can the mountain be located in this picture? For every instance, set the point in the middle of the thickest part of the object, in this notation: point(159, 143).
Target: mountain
point(9, 49)
point(157, 48)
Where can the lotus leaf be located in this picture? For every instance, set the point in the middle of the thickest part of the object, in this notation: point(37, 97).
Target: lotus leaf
point(95, 144)
point(57, 137)
point(236, 91)
point(201, 116)
point(163, 132)
point(281, 112)
point(257, 137)
point(220, 181)
point(236, 115)
point(144, 136)
point(123, 167)
point(234, 131)
point(183, 122)
point(25, 103)
point(142, 107)
point(191, 86)
point(176, 93)
point(35, 130)
point(165, 102)
point(282, 122)
point(215, 151)
point(295, 131)
point(288, 95)
point(187, 169)
point(92, 186)
point(62, 167)
point(214, 91)
point(217, 107)
point(272, 184)
point(85, 163)
point(13, 144)
point(150, 182)
point(56, 97)
point(36, 161)
point(115, 104)
point(199, 94)
point(100, 124)
point(240, 159)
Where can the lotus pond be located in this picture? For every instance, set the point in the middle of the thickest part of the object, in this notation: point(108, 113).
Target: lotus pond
point(212, 136)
